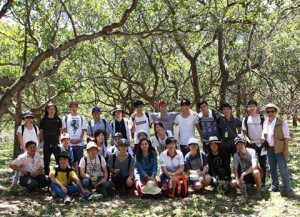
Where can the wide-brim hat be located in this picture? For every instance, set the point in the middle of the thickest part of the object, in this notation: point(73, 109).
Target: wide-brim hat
point(117, 108)
point(151, 188)
point(28, 114)
point(194, 177)
point(271, 105)
point(213, 139)
point(63, 154)
point(92, 144)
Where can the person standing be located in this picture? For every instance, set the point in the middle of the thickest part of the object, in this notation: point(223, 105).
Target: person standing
point(119, 124)
point(252, 127)
point(276, 132)
point(186, 122)
point(50, 130)
point(97, 123)
point(164, 116)
point(75, 125)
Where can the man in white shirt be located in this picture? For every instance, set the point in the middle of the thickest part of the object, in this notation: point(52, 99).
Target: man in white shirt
point(30, 165)
point(75, 125)
point(187, 123)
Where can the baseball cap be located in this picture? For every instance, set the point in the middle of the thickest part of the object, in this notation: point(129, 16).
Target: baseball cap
point(96, 109)
point(63, 154)
point(238, 139)
point(193, 141)
point(118, 134)
point(123, 142)
point(161, 103)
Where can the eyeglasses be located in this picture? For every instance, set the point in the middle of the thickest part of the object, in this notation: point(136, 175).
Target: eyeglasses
point(271, 111)
point(29, 117)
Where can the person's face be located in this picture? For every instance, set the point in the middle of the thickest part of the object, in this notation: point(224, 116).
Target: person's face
point(171, 146)
point(92, 152)
point(139, 108)
point(240, 146)
point(163, 108)
point(158, 128)
point(142, 136)
point(73, 108)
point(51, 110)
point(123, 148)
point(226, 111)
point(203, 108)
point(116, 140)
point(31, 149)
point(193, 147)
point(63, 161)
point(214, 147)
point(66, 142)
point(118, 114)
point(144, 146)
point(96, 115)
point(28, 119)
point(271, 112)
point(185, 108)
point(252, 108)
point(100, 138)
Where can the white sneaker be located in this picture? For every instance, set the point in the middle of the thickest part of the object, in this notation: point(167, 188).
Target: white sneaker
point(67, 200)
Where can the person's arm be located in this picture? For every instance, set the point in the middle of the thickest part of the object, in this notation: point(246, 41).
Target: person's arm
point(41, 136)
point(20, 140)
point(105, 174)
point(198, 129)
point(20, 169)
point(36, 173)
point(82, 174)
point(140, 169)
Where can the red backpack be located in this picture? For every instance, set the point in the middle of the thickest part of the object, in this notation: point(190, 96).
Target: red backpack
point(179, 188)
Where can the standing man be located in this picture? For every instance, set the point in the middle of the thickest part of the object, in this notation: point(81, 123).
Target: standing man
point(252, 127)
point(276, 132)
point(186, 122)
point(139, 120)
point(119, 124)
point(208, 123)
point(97, 123)
point(75, 126)
point(229, 125)
point(163, 116)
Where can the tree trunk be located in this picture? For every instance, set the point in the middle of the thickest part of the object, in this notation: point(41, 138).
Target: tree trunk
point(18, 122)
point(195, 81)
point(295, 120)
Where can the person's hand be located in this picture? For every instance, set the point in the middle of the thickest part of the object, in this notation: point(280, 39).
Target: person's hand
point(285, 154)
point(94, 184)
point(85, 191)
point(64, 189)
point(103, 181)
point(153, 178)
point(117, 170)
point(35, 174)
point(174, 178)
point(24, 172)
point(129, 182)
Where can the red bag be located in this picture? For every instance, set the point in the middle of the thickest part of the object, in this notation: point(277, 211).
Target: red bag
point(179, 188)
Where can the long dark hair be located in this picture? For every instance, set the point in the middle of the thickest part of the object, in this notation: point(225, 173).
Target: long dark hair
point(46, 109)
point(97, 133)
point(159, 124)
point(139, 153)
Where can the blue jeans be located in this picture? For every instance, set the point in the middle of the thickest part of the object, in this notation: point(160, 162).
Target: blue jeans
point(274, 160)
point(87, 183)
point(56, 190)
point(17, 173)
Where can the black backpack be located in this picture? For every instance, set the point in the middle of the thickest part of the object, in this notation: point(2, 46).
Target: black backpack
point(114, 161)
point(34, 126)
point(262, 119)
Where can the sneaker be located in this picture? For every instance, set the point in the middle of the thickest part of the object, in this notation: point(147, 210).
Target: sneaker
point(285, 194)
point(67, 200)
point(271, 189)
point(88, 196)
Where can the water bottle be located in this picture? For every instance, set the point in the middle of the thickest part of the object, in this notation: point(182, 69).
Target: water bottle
point(170, 184)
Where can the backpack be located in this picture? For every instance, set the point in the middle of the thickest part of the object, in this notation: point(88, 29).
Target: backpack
point(114, 161)
point(148, 117)
point(85, 159)
point(262, 119)
point(66, 120)
point(105, 136)
point(179, 188)
point(34, 126)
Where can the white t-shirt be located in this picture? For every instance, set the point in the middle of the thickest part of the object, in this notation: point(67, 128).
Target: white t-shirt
point(93, 167)
point(28, 163)
point(172, 164)
point(29, 135)
point(75, 125)
point(142, 123)
point(158, 142)
point(186, 127)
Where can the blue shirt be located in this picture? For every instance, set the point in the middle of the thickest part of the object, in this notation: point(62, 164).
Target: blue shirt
point(146, 167)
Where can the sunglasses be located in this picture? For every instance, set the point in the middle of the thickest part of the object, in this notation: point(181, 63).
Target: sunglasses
point(271, 111)
point(29, 117)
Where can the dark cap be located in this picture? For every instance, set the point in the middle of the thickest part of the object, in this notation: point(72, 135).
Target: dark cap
point(117, 108)
point(185, 102)
point(73, 103)
point(27, 114)
point(123, 142)
point(238, 139)
point(170, 140)
point(27, 144)
point(63, 154)
point(118, 134)
point(96, 109)
point(138, 103)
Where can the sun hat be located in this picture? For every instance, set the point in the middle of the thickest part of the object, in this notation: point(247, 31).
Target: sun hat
point(117, 108)
point(28, 114)
point(65, 136)
point(193, 141)
point(271, 105)
point(91, 144)
point(213, 139)
point(150, 188)
point(194, 177)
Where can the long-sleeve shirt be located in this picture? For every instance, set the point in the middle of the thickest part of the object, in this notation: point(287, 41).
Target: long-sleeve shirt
point(146, 167)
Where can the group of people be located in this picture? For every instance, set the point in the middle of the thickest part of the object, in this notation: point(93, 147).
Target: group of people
point(112, 163)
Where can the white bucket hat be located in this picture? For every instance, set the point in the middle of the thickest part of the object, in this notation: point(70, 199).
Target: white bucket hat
point(194, 177)
point(150, 188)
point(271, 105)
